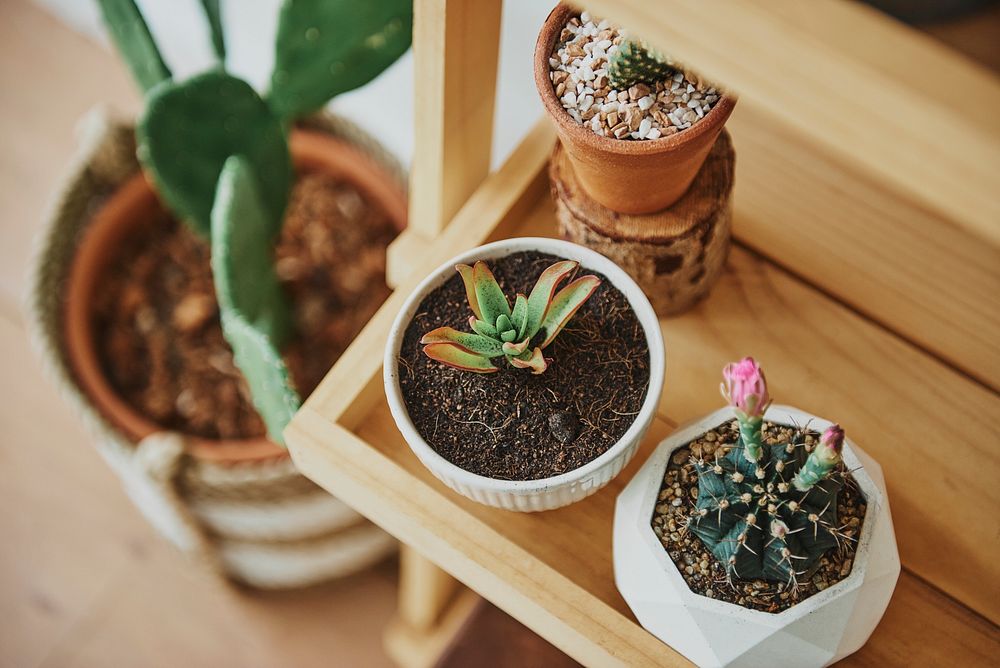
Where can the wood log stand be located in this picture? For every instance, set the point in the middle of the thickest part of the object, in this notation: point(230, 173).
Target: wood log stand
point(675, 255)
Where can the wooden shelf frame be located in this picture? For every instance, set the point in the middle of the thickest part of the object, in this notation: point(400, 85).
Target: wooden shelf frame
point(870, 295)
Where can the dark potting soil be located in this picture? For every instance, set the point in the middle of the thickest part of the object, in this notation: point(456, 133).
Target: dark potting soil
point(704, 573)
point(512, 425)
point(157, 319)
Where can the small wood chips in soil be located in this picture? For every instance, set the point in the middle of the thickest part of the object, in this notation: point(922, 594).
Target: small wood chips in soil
point(512, 425)
point(157, 319)
point(703, 573)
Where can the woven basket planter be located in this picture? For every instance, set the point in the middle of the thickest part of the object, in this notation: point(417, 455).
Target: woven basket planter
point(259, 523)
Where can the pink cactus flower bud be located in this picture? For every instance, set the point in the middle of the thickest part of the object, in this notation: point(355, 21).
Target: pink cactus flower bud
point(745, 388)
point(779, 529)
point(833, 438)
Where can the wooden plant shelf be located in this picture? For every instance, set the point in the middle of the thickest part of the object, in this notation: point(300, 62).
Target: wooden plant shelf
point(869, 289)
point(552, 571)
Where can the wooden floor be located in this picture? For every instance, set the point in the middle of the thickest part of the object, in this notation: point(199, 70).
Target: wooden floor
point(84, 581)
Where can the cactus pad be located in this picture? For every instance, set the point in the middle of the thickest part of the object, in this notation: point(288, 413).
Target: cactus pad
point(754, 520)
point(131, 35)
point(213, 13)
point(190, 128)
point(634, 63)
point(255, 317)
point(326, 47)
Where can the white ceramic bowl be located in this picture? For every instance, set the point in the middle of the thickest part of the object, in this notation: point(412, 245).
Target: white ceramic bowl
point(546, 493)
point(818, 631)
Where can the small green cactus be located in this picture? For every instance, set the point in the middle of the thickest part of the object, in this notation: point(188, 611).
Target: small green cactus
point(634, 63)
point(191, 130)
point(519, 334)
point(771, 513)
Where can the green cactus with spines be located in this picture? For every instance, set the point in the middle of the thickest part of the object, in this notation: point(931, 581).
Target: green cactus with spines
point(635, 62)
point(191, 130)
point(769, 514)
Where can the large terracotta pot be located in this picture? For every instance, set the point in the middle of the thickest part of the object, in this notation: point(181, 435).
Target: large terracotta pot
point(132, 206)
point(633, 177)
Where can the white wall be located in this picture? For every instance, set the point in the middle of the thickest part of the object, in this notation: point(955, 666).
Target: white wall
point(384, 107)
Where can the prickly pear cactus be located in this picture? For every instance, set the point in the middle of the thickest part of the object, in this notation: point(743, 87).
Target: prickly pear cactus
point(768, 510)
point(131, 35)
point(634, 63)
point(190, 128)
point(327, 47)
point(255, 315)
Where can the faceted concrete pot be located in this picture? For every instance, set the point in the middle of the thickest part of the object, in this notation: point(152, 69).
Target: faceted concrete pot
point(818, 631)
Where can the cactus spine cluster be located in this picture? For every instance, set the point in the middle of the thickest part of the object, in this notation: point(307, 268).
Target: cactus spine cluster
point(634, 63)
point(768, 511)
point(218, 154)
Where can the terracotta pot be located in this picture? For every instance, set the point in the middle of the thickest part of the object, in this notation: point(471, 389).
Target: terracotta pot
point(633, 177)
point(131, 206)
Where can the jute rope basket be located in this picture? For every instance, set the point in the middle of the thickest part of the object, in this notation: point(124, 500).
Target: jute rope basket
point(263, 523)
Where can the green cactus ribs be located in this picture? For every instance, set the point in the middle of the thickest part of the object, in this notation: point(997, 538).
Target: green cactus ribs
point(635, 63)
point(754, 516)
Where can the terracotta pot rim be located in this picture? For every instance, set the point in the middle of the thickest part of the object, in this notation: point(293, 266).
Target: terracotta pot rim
point(547, 36)
point(312, 150)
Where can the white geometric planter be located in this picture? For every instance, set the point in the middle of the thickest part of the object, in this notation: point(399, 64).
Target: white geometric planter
point(818, 631)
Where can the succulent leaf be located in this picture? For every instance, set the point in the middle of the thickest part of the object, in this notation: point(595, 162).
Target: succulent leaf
point(132, 37)
point(531, 360)
point(454, 356)
point(484, 328)
point(519, 314)
point(327, 47)
point(465, 271)
point(515, 349)
point(542, 292)
point(492, 301)
point(565, 305)
point(474, 343)
point(189, 130)
point(502, 331)
point(255, 316)
point(213, 13)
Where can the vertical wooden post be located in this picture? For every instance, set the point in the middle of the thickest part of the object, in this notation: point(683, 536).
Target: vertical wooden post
point(455, 47)
point(424, 590)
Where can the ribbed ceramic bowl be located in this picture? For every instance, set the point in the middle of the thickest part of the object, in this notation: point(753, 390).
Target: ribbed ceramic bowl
point(546, 493)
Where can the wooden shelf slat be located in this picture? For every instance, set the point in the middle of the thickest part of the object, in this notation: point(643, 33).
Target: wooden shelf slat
point(882, 253)
point(903, 108)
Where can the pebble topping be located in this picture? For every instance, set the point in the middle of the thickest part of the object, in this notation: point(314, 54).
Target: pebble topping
point(578, 70)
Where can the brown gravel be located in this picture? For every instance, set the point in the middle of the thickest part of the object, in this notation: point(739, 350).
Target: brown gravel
point(157, 318)
point(703, 573)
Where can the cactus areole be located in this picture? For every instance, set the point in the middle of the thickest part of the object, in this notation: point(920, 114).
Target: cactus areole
point(217, 152)
point(768, 510)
